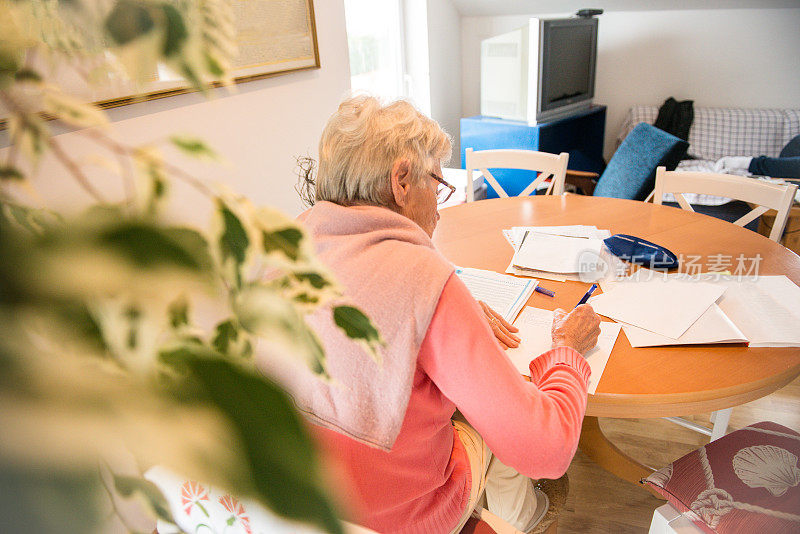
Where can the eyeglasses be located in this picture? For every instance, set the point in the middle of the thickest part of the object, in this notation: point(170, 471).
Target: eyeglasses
point(444, 191)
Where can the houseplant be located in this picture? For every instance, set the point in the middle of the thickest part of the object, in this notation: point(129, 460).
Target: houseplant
point(100, 352)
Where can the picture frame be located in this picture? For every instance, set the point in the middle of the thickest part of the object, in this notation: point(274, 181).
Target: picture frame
point(273, 38)
point(253, 17)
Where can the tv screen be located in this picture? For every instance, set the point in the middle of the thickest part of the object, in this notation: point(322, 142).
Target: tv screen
point(568, 61)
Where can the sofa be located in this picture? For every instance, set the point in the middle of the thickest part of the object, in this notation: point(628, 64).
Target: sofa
point(719, 132)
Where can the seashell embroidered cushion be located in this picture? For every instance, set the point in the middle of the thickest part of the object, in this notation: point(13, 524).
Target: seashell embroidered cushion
point(747, 481)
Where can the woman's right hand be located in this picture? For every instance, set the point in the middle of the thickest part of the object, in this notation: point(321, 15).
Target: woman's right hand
point(578, 329)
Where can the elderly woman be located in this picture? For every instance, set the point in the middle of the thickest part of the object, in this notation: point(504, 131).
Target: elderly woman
point(405, 465)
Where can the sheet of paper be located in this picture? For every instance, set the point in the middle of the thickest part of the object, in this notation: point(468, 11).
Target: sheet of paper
point(557, 254)
point(504, 294)
point(712, 327)
point(765, 308)
point(534, 329)
point(665, 306)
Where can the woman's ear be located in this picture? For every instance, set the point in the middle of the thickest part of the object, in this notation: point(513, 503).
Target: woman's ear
point(401, 181)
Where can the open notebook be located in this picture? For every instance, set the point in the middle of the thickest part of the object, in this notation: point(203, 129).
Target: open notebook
point(763, 311)
point(504, 294)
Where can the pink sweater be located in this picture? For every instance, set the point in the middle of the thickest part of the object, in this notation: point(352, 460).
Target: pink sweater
point(422, 484)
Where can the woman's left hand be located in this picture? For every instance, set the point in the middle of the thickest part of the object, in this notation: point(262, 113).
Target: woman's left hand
point(502, 329)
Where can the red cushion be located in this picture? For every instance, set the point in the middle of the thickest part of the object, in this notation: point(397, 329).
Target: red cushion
point(747, 481)
point(477, 526)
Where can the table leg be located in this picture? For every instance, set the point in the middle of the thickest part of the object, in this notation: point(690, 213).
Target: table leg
point(596, 446)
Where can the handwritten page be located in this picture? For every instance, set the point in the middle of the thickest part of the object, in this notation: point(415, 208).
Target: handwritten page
point(712, 327)
point(664, 306)
point(504, 294)
point(765, 308)
point(534, 329)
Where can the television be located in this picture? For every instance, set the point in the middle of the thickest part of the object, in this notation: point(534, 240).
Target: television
point(540, 72)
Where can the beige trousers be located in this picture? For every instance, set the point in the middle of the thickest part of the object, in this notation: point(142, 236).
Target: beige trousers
point(495, 486)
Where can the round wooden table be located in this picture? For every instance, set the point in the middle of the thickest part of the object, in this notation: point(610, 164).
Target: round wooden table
point(643, 382)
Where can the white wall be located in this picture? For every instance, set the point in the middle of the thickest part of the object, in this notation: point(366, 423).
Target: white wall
point(444, 48)
point(259, 131)
point(722, 57)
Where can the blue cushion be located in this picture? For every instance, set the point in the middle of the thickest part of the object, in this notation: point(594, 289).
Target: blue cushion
point(631, 173)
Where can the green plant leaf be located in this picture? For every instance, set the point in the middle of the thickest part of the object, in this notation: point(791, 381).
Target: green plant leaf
point(33, 220)
point(265, 313)
point(131, 486)
point(233, 242)
point(230, 339)
point(176, 33)
point(278, 448)
point(30, 133)
point(149, 246)
point(73, 111)
point(153, 179)
point(214, 66)
point(128, 20)
point(225, 334)
point(359, 328)
point(191, 75)
point(286, 241)
point(316, 280)
point(78, 319)
point(178, 313)
point(9, 172)
point(194, 147)
point(27, 75)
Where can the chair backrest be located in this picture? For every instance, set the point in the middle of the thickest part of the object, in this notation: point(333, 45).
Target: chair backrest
point(546, 164)
point(631, 172)
point(766, 195)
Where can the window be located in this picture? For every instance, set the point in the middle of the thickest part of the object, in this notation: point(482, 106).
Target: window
point(374, 36)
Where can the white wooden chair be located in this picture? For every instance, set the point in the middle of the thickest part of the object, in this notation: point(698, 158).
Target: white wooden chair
point(768, 196)
point(765, 195)
point(546, 164)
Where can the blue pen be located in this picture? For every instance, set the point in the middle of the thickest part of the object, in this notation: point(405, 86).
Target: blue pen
point(545, 291)
point(587, 295)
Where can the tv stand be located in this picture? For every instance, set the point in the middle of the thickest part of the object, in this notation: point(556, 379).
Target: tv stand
point(580, 134)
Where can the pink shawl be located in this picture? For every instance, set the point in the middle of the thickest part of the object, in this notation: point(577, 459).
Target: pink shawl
point(389, 268)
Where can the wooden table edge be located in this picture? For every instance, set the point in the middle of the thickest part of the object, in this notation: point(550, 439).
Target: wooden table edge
point(679, 404)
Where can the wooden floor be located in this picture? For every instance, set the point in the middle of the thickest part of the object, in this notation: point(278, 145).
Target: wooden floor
point(599, 502)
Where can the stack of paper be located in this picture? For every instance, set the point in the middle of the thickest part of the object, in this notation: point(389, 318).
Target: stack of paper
point(504, 294)
point(589, 266)
point(534, 329)
point(558, 254)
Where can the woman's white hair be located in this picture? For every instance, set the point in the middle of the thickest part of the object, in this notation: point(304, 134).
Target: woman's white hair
point(361, 143)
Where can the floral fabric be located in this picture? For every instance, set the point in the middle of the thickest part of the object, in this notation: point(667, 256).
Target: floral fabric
point(198, 507)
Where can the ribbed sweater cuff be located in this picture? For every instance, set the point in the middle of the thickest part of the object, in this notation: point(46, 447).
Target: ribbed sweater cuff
point(565, 356)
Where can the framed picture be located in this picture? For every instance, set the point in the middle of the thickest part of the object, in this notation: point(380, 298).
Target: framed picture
point(272, 36)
